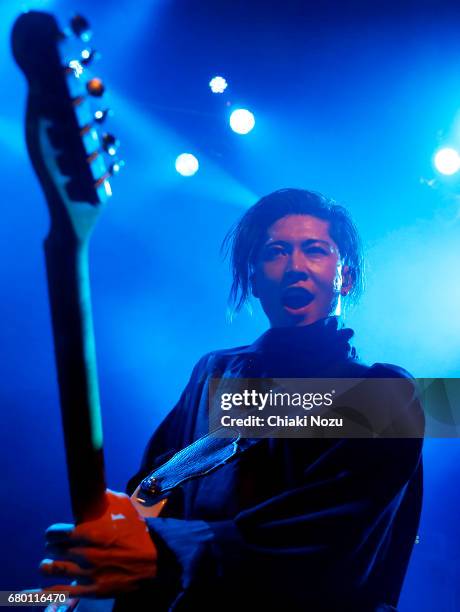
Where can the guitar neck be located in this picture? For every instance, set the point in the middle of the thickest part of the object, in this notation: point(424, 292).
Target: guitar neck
point(69, 293)
point(68, 145)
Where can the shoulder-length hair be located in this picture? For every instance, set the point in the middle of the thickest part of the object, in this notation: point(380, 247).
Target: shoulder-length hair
point(245, 238)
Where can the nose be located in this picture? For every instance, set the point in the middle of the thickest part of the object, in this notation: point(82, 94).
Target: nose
point(297, 260)
point(297, 267)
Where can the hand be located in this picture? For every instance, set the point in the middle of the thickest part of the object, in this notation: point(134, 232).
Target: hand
point(107, 556)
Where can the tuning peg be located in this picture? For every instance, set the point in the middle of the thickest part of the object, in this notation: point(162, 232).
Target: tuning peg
point(88, 56)
point(110, 144)
point(74, 67)
point(95, 87)
point(80, 27)
point(103, 180)
point(116, 167)
point(101, 115)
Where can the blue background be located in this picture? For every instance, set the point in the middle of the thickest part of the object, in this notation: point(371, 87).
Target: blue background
point(351, 99)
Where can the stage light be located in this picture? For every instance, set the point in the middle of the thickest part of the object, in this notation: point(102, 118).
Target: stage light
point(187, 164)
point(218, 85)
point(447, 161)
point(242, 121)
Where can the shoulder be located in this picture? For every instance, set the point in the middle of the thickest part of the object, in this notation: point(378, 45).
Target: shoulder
point(388, 370)
point(218, 360)
point(392, 388)
point(397, 393)
point(392, 378)
point(355, 368)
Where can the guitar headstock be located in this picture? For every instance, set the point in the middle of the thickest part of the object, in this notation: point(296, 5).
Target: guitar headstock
point(72, 153)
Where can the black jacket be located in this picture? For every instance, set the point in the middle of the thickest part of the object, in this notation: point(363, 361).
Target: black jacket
point(321, 525)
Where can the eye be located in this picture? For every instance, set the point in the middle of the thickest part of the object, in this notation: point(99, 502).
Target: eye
point(274, 251)
point(316, 250)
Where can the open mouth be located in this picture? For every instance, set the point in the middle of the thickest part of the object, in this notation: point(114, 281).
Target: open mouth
point(296, 297)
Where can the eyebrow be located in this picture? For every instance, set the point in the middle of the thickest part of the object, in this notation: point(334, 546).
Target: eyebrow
point(306, 242)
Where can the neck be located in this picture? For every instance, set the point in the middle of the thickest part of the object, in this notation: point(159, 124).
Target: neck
point(303, 322)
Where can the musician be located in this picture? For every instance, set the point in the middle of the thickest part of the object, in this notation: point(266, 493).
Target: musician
point(324, 525)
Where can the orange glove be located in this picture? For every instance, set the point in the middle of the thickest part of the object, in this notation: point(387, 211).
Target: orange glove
point(107, 557)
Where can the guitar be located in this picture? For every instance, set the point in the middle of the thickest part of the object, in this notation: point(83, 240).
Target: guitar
point(74, 158)
point(69, 149)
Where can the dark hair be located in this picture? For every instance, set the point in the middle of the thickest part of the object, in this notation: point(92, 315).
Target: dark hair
point(244, 240)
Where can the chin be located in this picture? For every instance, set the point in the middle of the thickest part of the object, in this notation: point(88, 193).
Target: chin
point(291, 318)
point(308, 320)
point(308, 317)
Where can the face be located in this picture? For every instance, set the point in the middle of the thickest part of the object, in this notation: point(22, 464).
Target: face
point(299, 276)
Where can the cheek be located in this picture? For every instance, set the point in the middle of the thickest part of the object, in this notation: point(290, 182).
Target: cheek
point(330, 277)
point(271, 272)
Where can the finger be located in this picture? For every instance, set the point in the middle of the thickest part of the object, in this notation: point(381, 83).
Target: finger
point(63, 568)
point(59, 532)
point(78, 590)
point(85, 557)
point(65, 534)
point(92, 556)
point(56, 550)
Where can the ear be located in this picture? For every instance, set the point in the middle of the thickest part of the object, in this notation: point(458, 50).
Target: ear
point(347, 280)
point(253, 285)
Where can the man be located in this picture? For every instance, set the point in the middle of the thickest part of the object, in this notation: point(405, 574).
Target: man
point(324, 525)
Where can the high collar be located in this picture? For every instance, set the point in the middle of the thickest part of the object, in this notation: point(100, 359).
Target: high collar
point(325, 335)
point(296, 352)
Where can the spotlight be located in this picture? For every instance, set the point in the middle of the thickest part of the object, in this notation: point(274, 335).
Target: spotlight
point(447, 161)
point(187, 164)
point(242, 121)
point(218, 85)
